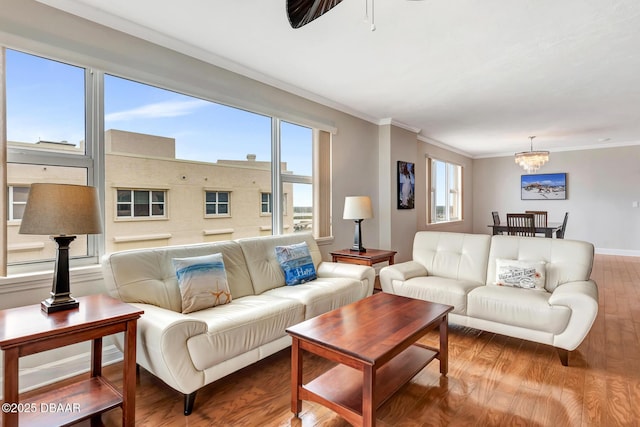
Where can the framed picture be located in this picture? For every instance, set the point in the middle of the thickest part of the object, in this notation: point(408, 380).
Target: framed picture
point(406, 185)
point(547, 186)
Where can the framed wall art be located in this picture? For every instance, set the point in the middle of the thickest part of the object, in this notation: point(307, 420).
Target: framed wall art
point(406, 185)
point(547, 186)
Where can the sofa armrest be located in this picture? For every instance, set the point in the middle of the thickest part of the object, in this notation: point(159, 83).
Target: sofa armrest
point(582, 298)
point(400, 273)
point(340, 269)
point(162, 346)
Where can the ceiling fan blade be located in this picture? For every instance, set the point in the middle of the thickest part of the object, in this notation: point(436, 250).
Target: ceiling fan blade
point(301, 12)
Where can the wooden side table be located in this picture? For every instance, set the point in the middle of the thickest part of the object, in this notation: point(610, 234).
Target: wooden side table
point(28, 330)
point(370, 257)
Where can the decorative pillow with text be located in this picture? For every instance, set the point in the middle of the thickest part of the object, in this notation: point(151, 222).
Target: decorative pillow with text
point(202, 281)
point(520, 274)
point(296, 262)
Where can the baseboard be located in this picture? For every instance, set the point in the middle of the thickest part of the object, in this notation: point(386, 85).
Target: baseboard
point(53, 372)
point(619, 252)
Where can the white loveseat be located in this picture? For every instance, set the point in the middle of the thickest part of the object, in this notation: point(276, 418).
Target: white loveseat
point(189, 351)
point(460, 270)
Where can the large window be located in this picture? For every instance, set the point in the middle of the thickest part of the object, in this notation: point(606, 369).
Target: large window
point(445, 201)
point(160, 151)
point(46, 121)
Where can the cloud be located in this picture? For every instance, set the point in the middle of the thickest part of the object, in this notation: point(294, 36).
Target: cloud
point(157, 110)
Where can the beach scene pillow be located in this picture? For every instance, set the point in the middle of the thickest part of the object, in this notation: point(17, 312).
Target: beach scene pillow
point(202, 281)
point(296, 263)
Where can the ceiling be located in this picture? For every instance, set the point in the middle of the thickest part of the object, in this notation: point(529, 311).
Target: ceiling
point(479, 76)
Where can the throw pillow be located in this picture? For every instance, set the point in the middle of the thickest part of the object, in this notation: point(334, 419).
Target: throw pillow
point(202, 281)
point(520, 274)
point(297, 264)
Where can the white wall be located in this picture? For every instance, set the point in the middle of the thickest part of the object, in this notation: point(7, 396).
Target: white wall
point(601, 186)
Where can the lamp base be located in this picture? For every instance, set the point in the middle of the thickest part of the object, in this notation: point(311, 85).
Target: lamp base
point(51, 305)
point(357, 238)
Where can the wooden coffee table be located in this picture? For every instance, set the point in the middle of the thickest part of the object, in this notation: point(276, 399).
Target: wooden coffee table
point(374, 342)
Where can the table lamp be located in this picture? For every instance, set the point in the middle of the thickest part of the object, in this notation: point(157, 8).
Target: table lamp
point(357, 208)
point(61, 211)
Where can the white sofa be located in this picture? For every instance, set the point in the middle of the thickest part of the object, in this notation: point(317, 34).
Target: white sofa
point(189, 351)
point(460, 270)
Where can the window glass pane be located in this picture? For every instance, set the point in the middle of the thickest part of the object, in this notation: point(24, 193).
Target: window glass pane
point(441, 191)
point(296, 144)
point(45, 125)
point(159, 138)
point(45, 104)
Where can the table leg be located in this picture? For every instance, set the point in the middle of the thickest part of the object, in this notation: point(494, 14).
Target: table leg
point(368, 397)
point(296, 376)
point(10, 389)
point(444, 345)
point(129, 375)
point(96, 357)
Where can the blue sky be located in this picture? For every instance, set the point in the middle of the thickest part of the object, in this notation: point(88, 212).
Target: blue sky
point(45, 101)
point(545, 179)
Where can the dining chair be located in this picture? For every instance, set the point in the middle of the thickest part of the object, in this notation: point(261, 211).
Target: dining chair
point(496, 218)
point(540, 217)
point(560, 233)
point(521, 224)
point(496, 221)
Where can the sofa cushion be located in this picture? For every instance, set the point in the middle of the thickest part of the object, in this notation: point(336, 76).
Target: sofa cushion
point(262, 263)
point(323, 294)
point(518, 307)
point(148, 276)
point(202, 281)
point(244, 324)
point(296, 263)
point(453, 255)
point(566, 260)
point(520, 274)
point(438, 289)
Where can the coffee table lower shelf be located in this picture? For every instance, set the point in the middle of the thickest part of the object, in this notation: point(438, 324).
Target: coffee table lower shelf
point(340, 388)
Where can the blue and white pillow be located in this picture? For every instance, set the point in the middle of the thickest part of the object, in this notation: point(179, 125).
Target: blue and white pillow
point(296, 263)
point(202, 281)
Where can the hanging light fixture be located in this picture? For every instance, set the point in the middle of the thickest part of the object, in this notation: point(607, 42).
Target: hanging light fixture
point(531, 160)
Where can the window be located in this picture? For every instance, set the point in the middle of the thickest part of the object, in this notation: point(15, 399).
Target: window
point(153, 142)
point(216, 203)
point(446, 191)
point(265, 203)
point(17, 201)
point(141, 203)
point(47, 141)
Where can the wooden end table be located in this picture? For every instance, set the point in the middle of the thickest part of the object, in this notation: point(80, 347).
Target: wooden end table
point(28, 330)
point(370, 257)
point(374, 342)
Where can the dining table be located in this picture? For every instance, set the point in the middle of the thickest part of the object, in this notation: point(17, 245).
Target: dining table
point(548, 231)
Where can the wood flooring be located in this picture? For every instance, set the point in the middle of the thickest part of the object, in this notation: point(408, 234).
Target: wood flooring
point(493, 380)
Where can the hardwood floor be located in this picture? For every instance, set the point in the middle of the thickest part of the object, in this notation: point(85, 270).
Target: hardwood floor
point(493, 380)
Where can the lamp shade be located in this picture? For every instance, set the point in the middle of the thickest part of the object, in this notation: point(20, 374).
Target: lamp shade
point(357, 207)
point(61, 210)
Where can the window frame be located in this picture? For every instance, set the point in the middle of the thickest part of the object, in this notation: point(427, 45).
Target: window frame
point(150, 204)
point(11, 203)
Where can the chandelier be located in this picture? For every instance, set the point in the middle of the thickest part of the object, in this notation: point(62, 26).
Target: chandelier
point(531, 160)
